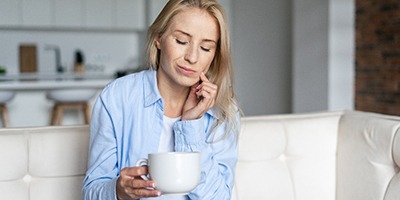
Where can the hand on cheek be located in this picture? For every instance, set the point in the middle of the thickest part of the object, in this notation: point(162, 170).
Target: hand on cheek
point(200, 99)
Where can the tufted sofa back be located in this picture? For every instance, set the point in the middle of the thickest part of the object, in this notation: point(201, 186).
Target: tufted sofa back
point(43, 163)
point(288, 157)
point(329, 156)
point(315, 156)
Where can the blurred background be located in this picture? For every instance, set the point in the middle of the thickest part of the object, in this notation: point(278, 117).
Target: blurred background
point(290, 56)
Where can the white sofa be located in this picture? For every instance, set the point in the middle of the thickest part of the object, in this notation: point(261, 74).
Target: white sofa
point(313, 156)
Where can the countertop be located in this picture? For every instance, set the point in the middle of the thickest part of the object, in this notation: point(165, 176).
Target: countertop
point(50, 81)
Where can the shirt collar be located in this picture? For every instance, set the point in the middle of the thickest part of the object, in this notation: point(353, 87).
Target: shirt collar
point(150, 88)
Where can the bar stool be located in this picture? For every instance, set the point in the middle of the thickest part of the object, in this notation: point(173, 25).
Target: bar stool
point(5, 96)
point(77, 99)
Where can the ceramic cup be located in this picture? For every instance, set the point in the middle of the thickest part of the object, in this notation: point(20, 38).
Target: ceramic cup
point(175, 173)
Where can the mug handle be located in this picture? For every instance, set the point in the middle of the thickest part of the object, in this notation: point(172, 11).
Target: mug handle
point(140, 163)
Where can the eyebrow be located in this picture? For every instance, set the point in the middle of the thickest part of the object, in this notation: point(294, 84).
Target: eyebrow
point(189, 35)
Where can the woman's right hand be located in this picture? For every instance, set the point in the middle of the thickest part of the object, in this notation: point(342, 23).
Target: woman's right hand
point(131, 186)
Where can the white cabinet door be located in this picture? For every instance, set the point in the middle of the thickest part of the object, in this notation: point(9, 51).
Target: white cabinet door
point(155, 7)
point(68, 13)
point(130, 14)
point(100, 13)
point(10, 12)
point(88, 14)
point(37, 13)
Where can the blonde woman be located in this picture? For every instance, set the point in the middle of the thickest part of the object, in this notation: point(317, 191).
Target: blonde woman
point(184, 102)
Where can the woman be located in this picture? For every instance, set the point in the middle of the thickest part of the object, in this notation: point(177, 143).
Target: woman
point(184, 102)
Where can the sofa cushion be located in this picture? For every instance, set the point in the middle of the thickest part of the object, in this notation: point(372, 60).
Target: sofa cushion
point(13, 156)
point(287, 157)
point(60, 188)
point(15, 190)
point(43, 163)
point(51, 158)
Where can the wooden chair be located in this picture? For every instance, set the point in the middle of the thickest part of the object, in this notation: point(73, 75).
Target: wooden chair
point(5, 96)
point(59, 107)
point(70, 99)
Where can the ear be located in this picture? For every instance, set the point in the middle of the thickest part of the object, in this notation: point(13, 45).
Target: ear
point(158, 42)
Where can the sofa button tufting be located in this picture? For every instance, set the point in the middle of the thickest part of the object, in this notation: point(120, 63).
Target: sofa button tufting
point(27, 178)
point(282, 158)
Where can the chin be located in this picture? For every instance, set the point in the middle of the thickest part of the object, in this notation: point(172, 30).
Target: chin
point(189, 82)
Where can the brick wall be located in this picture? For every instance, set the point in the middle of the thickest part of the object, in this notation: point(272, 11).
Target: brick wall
point(378, 56)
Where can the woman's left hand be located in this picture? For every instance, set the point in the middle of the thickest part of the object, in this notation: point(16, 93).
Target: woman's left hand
point(200, 99)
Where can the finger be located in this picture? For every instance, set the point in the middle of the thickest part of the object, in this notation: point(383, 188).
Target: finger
point(209, 99)
point(140, 193)
point(134, 171)
point(138, 188)
point(203, 77)
point(208, 87)
point(140, 183)
point(207, 92)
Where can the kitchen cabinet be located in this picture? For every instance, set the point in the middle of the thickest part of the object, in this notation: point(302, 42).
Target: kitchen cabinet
point(10, 12)
point(37, 13)
point(155, 7)
point(68, 13)
point(115, 14)
point(110, 15)
point(131, 14)
point(99, 13)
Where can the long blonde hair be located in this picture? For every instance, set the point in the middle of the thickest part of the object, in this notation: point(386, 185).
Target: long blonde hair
point(221, 69)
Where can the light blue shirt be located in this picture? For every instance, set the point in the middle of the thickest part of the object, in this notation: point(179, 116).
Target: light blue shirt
point(126, 124)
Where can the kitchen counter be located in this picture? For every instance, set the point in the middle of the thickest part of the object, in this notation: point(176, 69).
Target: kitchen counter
point(30, 106)
point(53, 84)
point(41, 81)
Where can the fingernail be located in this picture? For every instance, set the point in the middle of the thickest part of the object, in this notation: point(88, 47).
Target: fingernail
point(158, 193)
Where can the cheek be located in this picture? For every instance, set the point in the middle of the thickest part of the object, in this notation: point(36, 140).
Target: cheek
point(172, 52)
point(208, 60)
point(166, 55)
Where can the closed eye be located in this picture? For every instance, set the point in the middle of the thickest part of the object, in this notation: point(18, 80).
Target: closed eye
point(180, 42)
point(205, 49)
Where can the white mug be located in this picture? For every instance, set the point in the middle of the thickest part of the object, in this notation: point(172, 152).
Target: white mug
point(173, 172)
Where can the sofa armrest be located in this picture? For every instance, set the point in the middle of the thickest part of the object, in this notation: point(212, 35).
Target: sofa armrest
point(368, 156)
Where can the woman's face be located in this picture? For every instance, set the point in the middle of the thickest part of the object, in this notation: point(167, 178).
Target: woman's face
point(188, 46)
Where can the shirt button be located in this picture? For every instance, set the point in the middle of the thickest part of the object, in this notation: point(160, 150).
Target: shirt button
point(178, 132)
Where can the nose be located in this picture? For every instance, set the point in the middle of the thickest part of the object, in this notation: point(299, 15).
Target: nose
point(191, 54)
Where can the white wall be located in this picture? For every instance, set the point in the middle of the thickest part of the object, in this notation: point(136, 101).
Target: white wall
point(341, 54)
point(262, 55)
point(310, 55)
point(323, 60)
point(294, 55)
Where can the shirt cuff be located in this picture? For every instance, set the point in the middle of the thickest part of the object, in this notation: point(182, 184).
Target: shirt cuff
point(189, 132)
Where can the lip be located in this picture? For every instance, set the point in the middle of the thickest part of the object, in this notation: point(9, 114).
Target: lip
point(186, 71)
